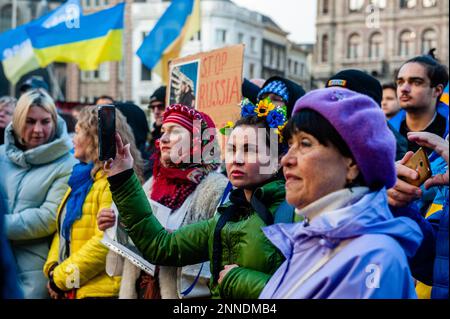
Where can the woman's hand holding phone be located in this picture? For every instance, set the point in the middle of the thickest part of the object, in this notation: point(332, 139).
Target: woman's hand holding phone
point(123, 160)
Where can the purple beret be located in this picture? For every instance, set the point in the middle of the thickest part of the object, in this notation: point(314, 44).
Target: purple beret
point(362, 125)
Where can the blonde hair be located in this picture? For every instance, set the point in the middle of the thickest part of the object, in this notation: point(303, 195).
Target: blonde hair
point(88, 121)
point(8, 101)
point(38, 98)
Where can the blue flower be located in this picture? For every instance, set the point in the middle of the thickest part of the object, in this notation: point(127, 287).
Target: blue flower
point(248, 110)
point(276, 118)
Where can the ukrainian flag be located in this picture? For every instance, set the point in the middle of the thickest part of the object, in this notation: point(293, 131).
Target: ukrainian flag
point(444, 96)
point(177, 25)
point(96, 39)
point(16, 52)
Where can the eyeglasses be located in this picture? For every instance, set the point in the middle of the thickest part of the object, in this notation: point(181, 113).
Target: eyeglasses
point(158, 105)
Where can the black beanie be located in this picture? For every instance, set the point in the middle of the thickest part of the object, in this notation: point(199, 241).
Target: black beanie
point(159, 95)
point(358, 81)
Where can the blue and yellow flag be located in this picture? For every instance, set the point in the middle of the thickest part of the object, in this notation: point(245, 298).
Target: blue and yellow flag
point(177, 25)
point(444, 96)
point(16, 52)
point(96, 39)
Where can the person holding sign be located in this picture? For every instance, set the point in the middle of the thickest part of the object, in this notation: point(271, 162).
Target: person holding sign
point(75, 265)
point(184, 189)
point(242, 259)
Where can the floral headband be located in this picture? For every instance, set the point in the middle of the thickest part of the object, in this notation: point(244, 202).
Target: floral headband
point(276, 116)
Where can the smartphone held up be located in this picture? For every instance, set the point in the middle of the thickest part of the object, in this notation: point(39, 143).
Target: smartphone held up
point(420, 163)
point(106, 132)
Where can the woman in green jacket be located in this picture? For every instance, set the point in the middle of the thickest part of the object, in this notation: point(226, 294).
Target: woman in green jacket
point(242, 259)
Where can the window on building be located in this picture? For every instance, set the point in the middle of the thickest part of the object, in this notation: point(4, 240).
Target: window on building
point(429, 40)
point(121, 70)
point(274, 57)
point(5, 17)
point(267, 55)
point(325, 6)
point(380, 4)
point(101, 74)
point(146, 73)
point(240, 37)
point(197, 36)
point(406, 47)
point(251, 70)
point(355, 5)
point(296, 72)
point(221, 36)
point(376, 46)
point(253, 44)
point(290, 66)
point(302, 70)
point(281, 62)
point(325, 48)
point(408, 4)
point(429, 3)
point(354, 46)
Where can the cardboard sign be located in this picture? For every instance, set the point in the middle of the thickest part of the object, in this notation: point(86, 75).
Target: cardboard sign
point(209, 82)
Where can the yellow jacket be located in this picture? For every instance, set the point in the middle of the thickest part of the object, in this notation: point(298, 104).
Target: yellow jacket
point(85, 267)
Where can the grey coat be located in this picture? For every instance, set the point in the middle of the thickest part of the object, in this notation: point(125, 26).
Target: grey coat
point(34, 182)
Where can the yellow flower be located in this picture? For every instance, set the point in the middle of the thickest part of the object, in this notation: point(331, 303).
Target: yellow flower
point(264, 107)
point(279, 131)
point(230, 124)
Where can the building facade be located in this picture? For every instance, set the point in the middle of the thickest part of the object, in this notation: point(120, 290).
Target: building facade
point(377, 36)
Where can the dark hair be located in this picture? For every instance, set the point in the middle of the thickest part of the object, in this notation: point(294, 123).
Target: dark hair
point(391, 86)
point(436, 72)
point(260, 122)
point(313, 123)
point(103, 97)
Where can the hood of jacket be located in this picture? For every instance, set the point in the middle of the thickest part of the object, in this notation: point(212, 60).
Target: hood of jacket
point(59, 146)
point(366, 214)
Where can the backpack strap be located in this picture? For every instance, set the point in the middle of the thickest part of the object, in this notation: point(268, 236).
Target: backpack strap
point(262, 211)
point(284, 213)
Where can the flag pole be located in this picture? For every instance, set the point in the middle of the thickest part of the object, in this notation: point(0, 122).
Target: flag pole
point(12, 88)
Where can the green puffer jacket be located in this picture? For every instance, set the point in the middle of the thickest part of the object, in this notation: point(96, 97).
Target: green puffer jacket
point(243, 242)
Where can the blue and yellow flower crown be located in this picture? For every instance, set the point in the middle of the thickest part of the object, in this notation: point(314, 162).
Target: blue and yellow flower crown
point(276, 116)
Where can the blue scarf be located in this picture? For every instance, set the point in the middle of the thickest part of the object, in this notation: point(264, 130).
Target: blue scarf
point(80, 182)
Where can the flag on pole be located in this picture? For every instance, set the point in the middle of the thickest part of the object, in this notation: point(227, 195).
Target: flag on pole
point(16, 51)
point(97, 39)
point(177, 25)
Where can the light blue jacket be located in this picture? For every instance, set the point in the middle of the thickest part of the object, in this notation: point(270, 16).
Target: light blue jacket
point(372, 264)
point(34, 183)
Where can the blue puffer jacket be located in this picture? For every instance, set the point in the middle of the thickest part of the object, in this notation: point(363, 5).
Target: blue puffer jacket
point(440, 271)
point(430, 263)
point(34, 182)
point(9, 285)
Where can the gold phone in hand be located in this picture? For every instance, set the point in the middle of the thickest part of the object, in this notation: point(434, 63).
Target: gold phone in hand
point(420, 163)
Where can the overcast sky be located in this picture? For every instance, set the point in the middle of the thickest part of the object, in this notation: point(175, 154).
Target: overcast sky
point(298, 17)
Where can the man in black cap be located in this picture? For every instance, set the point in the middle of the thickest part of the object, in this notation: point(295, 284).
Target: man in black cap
point(361, 82)
point(157, 106)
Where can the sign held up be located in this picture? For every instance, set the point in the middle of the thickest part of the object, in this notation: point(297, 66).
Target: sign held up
point(210, 82)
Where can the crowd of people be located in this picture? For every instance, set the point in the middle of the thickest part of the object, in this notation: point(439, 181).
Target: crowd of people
point(319, 205)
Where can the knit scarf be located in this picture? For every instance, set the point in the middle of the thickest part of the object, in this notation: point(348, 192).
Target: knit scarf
point(80, 182)
point(172, 185)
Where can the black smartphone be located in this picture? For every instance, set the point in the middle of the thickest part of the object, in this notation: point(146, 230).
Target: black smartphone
point(106, 132)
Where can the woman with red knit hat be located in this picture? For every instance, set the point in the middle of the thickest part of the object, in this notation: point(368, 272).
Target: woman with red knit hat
point(185, 188)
